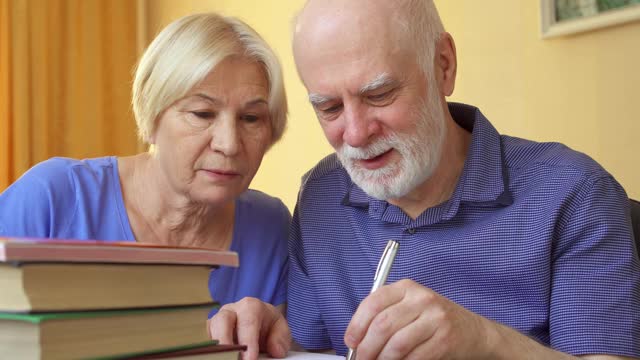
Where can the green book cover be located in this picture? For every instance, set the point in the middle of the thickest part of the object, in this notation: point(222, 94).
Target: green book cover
point(37, 318)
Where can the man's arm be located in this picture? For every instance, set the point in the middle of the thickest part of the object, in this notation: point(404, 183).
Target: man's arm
point(405, 320)
point(512, 344)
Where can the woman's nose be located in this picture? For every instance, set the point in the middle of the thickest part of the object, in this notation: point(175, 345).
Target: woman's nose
point(225, 137)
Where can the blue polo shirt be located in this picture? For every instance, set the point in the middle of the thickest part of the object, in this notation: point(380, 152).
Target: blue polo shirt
point(535, 236)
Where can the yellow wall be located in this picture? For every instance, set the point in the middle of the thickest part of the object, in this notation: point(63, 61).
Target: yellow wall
point(578, 90)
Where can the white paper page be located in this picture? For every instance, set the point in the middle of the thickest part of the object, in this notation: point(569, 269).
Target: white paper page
point(305, 356)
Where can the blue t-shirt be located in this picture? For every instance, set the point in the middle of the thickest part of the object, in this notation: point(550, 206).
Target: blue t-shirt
point(82, 199)
point(535, 236)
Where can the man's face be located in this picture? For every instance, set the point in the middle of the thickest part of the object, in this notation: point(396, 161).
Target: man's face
point(377, 109)
point(418, 155)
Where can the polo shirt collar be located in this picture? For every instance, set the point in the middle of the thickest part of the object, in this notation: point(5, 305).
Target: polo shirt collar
point(484, 179)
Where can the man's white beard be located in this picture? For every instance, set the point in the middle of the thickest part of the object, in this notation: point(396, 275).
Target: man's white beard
point(419, 154)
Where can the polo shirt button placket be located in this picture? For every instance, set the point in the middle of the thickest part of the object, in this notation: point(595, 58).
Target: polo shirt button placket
point(411, 231)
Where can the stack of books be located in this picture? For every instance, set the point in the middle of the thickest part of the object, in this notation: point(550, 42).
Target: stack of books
point(110, 300)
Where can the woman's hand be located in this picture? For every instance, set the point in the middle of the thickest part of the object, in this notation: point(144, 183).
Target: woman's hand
point(260, 326)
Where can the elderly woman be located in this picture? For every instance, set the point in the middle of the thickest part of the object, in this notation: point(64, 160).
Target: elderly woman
point(208, 98)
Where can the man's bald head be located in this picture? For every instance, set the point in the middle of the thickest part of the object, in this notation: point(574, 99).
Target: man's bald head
point(407, 24)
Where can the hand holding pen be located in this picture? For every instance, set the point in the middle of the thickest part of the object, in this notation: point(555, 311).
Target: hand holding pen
point(406, 320)
point(380, 278)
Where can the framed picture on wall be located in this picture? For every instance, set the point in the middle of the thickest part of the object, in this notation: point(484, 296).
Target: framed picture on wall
point(564, 17)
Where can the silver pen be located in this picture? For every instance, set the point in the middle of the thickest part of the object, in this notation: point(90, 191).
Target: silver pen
point(380, 278)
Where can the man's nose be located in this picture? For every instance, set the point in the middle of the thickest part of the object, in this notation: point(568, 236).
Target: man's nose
point(359, 126)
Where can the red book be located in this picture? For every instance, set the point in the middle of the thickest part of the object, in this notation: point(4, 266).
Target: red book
point(57, 250)
point(45, 275)
point(206, 352)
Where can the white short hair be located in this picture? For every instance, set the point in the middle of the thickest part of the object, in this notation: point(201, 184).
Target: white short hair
point(185, 52)
point(422, 27)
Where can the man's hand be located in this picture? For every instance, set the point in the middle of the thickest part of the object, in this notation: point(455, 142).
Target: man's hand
point(251, 322)
point(405, 320)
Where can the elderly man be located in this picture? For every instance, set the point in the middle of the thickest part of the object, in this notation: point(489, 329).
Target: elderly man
point(509, 249)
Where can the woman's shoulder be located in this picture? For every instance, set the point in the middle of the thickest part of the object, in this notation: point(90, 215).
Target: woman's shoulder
point(44, 200)
point(56, 166)
point(63, 179)
point(259, 202)
point(62, 173)
point(260, 214)
point(262, 227)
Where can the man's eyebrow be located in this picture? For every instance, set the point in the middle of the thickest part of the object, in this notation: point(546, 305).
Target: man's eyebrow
point(318, 100)
point(378, 82)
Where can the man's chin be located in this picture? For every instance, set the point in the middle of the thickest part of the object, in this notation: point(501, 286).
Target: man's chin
point(373, 188)
point(385, 187)
point(377, 192)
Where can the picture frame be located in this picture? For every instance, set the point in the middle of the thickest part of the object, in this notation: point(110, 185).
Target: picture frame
point(566, 17)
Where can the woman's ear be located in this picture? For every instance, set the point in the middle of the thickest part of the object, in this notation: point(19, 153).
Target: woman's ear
point(446, 63)
point(152, 139)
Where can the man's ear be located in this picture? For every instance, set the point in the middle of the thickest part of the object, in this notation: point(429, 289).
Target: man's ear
point(446, 63)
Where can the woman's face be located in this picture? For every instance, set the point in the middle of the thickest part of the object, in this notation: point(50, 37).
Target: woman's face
point(210, 143)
